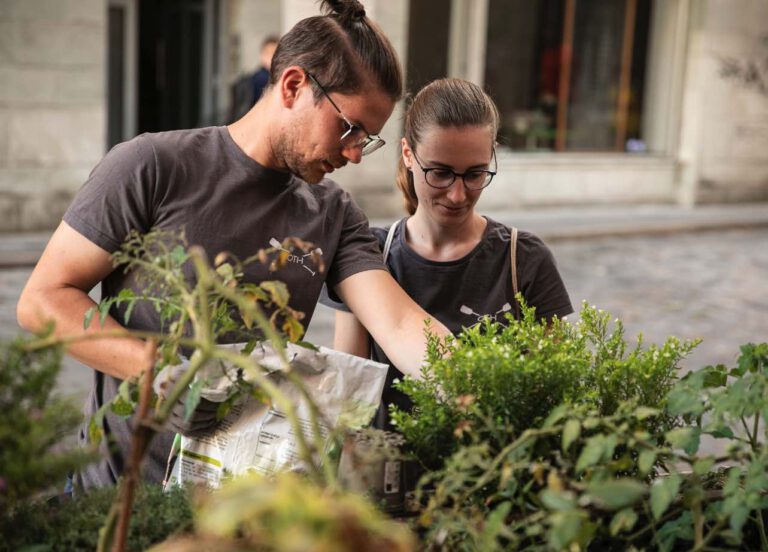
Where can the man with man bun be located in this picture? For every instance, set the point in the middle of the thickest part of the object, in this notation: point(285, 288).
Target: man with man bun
point(334, 82)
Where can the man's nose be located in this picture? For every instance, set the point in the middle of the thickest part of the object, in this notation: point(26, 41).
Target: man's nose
point(353, 153)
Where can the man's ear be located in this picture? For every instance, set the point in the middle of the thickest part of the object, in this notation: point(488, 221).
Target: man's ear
point(406, 153)
point(290, 84)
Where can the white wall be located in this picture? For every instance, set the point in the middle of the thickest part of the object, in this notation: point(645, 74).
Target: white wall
point(52, 106)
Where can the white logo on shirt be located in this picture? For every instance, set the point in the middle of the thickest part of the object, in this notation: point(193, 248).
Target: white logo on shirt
point(292, 257)
point(506, 307)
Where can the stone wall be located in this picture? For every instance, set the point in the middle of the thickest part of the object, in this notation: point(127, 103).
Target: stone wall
point(52, 106)
point(732, 111)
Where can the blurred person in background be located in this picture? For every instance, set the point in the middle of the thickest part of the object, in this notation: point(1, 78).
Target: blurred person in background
point(248, 89)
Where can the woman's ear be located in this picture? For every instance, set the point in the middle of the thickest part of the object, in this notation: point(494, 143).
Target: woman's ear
point(406, 153)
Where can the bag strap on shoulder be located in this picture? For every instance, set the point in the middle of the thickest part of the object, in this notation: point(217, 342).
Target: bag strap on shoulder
point(390, 237)
point(513, 264)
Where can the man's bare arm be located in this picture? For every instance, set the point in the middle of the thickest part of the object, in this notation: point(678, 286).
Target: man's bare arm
point(392, 318)
point(350, 336)
point(57, 290)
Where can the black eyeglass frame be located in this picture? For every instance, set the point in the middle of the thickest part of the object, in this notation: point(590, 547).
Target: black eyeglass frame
point(427, 170)
point(369, 142)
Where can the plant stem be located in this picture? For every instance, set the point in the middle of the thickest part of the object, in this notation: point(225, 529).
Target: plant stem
point(761, 529)
point(141, 438)
point(711, 535)
point(526, 436)
point(750, 437)
point(119, 515)
point(698, 526)
point(755, 428)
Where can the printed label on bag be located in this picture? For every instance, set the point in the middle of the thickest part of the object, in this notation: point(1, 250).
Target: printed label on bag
point(392, 477)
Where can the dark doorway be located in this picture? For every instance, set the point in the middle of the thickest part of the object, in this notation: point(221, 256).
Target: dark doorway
point(170, 64)
point(429, 26)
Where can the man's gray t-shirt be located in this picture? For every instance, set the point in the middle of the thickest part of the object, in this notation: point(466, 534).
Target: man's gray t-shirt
point(202, 182)
point(460, 293)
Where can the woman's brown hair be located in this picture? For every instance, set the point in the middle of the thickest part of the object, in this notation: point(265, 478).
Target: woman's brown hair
point(443, 103)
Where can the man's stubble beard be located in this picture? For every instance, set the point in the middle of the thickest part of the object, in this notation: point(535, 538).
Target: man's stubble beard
point(286, 149)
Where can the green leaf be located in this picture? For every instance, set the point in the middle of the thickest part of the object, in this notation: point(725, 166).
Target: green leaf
point(103, 312)
point(121, 407)
point(686, 438)
point(293, 329)
point(278, 292)
point(715, 376)
point(128, 312)
point(96, 426)
point(226, 271)
point(644, 412)
point(179, 255)
point(249, 347)
point(718, 431)
point(617, 493)
point(681, 401)
point(624, 520)
point(556, 415)
point(663, 492)
point(738, 519)
point(493, 526)
point(591, 453)
point(646, 461)
point(703, 466)
point(558, 500)
point(571, 432)
point(193, 398)
point(88, 317)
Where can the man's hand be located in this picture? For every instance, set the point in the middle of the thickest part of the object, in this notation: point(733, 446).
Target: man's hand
point(201, 421)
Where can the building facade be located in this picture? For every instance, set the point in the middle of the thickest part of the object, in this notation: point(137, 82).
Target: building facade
point(602, 101)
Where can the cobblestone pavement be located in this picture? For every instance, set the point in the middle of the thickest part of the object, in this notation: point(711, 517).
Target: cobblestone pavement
point(708, 285)
point(712, 285)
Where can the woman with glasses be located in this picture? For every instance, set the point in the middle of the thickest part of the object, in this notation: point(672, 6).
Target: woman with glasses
point(454, 262)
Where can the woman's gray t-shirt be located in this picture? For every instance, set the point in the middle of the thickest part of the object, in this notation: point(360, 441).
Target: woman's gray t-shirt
point(202, 182)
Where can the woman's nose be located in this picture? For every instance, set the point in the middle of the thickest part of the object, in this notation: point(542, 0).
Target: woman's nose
point(457, 192)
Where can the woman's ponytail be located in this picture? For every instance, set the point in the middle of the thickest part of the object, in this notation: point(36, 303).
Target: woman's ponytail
point(404, 182)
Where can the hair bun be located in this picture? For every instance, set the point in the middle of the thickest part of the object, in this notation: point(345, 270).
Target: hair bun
point(348, 11)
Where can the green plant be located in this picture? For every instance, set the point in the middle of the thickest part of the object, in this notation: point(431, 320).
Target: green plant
point(33, 423)
point(73, 525)
point(200, 305)
point(615, 466)
point(494, 382)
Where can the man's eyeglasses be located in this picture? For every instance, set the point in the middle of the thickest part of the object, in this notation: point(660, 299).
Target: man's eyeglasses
point(355, 135)
point(474, 179)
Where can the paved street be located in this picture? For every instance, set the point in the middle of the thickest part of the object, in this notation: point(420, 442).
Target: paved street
point(712, 285)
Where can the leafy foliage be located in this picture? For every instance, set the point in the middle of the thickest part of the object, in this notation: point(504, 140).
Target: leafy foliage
point(615, 465)
point(33, 423)
point(74, 525)
point(494, 382)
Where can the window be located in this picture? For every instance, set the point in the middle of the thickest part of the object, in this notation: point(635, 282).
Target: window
point(568, 75)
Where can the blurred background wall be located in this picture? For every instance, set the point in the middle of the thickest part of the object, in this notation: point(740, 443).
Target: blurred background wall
point(602, 101)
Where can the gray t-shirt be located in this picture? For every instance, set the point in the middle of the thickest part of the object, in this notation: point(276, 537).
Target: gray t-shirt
point(202, 182)
point(459, 293)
